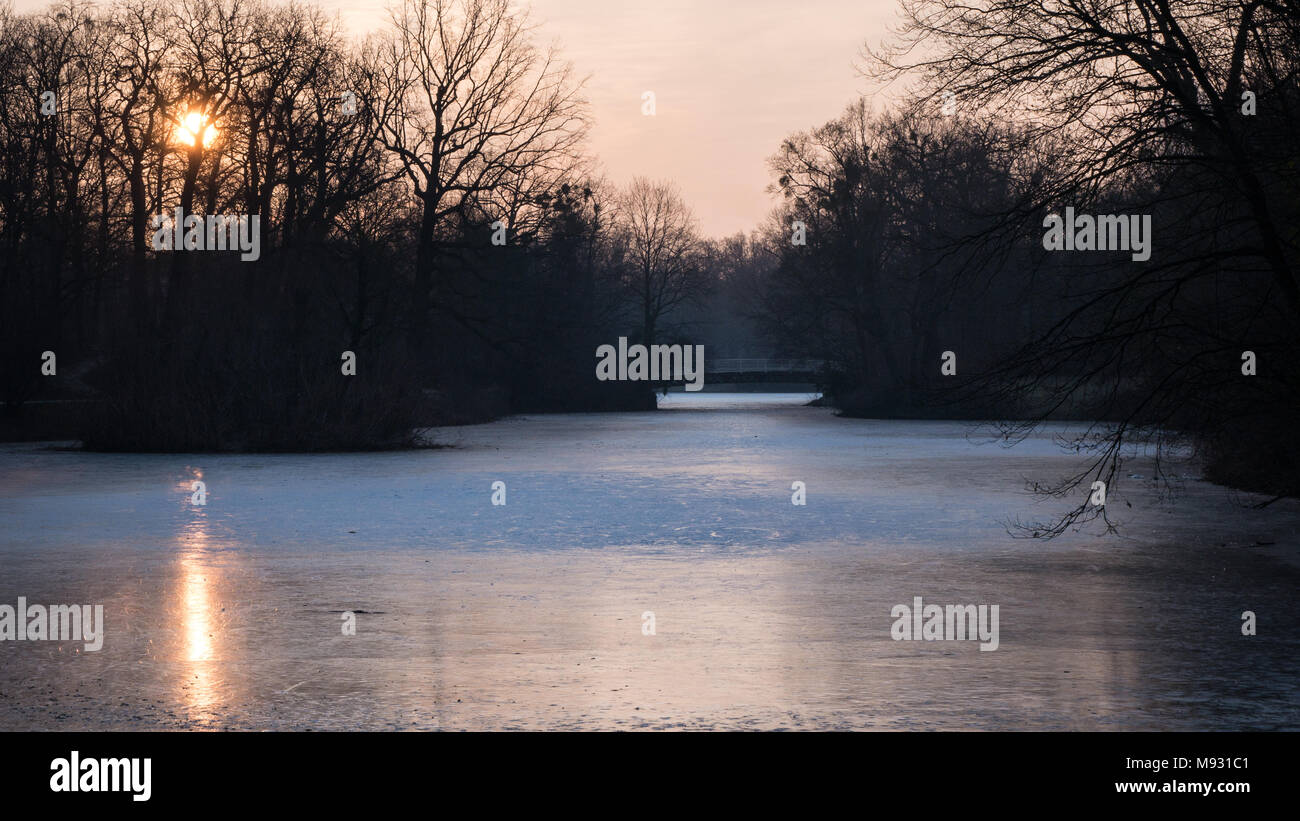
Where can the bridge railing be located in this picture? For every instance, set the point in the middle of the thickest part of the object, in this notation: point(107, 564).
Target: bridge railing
point(762, 365)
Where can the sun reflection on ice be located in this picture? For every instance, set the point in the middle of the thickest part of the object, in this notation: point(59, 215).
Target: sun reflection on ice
point(196, 607)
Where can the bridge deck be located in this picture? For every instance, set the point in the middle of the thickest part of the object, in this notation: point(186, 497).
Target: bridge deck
point(800, 366)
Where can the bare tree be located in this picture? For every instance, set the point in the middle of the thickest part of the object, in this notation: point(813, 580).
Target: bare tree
point(469, 106)
point(214, 57)
point(1131, 83)
point(1186, 111)
point(134, 125)
point(662, 267)
point(831, 182)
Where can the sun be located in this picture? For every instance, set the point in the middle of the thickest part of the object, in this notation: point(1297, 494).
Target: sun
point(194, 127)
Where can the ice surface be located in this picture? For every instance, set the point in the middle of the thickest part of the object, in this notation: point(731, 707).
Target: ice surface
point(767, 615)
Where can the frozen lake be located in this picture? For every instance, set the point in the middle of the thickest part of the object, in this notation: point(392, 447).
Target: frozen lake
point(530, 614)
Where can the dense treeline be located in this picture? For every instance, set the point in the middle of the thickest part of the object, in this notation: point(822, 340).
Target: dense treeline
point(927, 231)
point(873, 275)
point(423, 199)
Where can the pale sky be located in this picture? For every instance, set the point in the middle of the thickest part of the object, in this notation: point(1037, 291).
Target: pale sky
point(731, 79)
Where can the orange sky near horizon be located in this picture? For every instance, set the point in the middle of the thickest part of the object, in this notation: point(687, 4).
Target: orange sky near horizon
point(731, 78)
